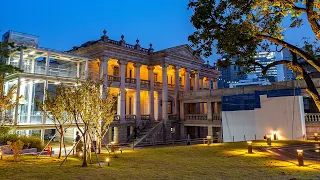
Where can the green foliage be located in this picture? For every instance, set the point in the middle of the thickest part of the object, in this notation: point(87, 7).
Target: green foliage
point(4, 132)
point(29, 141)
point(5, 50)
point(16, 147)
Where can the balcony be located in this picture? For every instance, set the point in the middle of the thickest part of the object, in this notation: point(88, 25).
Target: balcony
point(195, 117)
point(130, 117)
point(131, 80)
point(158, 84)
point(113, 78)
point(173, 117)
point(145, 117)
point(144, 82)
point(312, 117)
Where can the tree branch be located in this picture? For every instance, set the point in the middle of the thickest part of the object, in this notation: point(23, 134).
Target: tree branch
point(312, 18)
point(313, 62)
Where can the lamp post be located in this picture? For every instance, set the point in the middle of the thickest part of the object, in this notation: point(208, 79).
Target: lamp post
point(269, 140)
point(315, 136)
point(249, 147)
point(275, 135)
point(108, 161)
point(209, 140)
point(300, 157)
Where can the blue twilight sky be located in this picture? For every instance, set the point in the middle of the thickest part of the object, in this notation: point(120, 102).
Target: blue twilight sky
point(62, 24)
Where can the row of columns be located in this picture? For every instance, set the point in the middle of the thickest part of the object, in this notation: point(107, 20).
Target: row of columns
point(164, 101)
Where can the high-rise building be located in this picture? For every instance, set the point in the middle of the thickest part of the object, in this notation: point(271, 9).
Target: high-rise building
point(288, 74)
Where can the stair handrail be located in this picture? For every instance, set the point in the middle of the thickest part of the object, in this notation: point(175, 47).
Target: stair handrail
point(151, 131)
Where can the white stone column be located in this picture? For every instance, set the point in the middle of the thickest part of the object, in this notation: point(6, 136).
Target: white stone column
point(122, 91)
point(177, 88)
point(32, 65)
point(104, 75)
point(164, 92)
point(182, 111)
point(187, 80)
point(16, 110)
point(196, 81)
point(78, 70)
point(201, 83)
point(116, 134)
point(45, 86)
point(151, 92)
point(209, 111)
point(159, 106)
point(137, 108)
point(86, 69)
point(20, 65)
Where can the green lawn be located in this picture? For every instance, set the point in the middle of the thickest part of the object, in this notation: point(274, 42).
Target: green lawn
point(218, 161)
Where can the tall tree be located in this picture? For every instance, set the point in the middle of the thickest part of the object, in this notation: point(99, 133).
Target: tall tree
point(54, 108)
point(239, 28)
point(88, 109)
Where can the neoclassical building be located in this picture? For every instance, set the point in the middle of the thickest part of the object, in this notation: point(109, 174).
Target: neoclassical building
point(146, 83)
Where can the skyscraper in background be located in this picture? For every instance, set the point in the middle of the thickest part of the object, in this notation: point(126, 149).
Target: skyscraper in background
point(230, 75)
point(288, 74)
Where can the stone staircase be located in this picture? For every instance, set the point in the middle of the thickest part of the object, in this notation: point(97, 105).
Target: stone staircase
point(144, 133)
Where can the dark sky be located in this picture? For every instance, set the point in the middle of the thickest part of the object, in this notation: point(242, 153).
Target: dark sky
point(62, 24)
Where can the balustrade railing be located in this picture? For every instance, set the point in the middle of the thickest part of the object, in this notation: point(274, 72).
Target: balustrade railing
point(158, 83)
point(197, 117)
point(131, 80)
point(114, 78)
point(130, 117)
point(312, 117)
point(172, 117)
point(171, 86)
point(216, 117)
point(145, 117)
point(145, 82)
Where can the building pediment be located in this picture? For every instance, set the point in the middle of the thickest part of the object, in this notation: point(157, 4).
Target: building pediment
point(184, 52)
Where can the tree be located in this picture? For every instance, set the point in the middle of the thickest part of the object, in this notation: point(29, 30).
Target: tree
point(8, 102)
point(88, 109)
point(239, 28)
point(5, 50)
point(54, 108)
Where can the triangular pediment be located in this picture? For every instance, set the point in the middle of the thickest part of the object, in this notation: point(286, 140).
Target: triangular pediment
point(183, 51)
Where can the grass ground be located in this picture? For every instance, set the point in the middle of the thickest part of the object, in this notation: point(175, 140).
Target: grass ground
point(218, 161)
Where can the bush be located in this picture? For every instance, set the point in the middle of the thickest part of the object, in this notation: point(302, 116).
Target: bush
point(16, 148)
point(29, 141)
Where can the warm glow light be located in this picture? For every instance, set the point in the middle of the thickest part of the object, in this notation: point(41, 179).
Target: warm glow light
point(80, 154)
point(249, 142)
point(208, 137)
point(274, 132)
point(112, 142)
point(299, 150)
point(32, 52)
point(107, 160)
point(315, 134)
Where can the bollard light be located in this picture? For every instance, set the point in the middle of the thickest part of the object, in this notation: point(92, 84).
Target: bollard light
point(108, 161)
point(0, 154)
point(209, 140)
point(275, 135)
point(81, 155)
point(300, 157)
point(249, 147)
point(315, 136)
point(269, 140)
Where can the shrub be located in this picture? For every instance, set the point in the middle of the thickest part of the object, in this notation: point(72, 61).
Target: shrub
point(29, 141)
point(4, 132)
point(16, 148)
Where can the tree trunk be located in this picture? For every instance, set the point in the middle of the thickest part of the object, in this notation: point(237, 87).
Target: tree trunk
point(84, 163)
point(61, 141)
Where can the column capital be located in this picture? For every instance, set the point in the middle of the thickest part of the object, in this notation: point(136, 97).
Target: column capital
point(104, 59)
point(187, 70)
point(176, 67)
point(137, 65)
point(164, 65)
point(122, 62)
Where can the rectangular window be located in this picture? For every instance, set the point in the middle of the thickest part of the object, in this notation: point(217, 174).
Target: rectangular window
point(170, 107)
point(155, 77)
point(116, 71)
